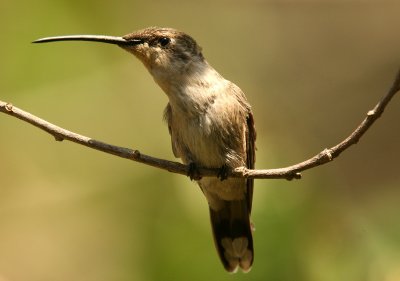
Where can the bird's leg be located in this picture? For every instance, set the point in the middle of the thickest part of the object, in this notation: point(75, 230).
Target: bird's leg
point(193, 172)
point(223, 172)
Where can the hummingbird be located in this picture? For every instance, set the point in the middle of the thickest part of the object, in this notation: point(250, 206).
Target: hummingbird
point(211, 125)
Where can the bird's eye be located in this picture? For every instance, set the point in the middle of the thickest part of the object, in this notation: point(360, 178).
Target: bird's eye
point(164, 41)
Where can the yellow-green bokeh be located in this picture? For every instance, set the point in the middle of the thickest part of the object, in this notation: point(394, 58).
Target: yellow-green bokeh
point(311, 70)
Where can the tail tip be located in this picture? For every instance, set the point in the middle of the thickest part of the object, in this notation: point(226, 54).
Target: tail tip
point(237, 254)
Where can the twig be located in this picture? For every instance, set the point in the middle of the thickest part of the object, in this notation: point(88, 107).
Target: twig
point(291, 172)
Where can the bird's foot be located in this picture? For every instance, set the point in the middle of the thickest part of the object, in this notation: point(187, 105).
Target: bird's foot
point(193, 172)
point(223, 172)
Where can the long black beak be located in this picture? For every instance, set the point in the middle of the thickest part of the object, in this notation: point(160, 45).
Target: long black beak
point(96, 38)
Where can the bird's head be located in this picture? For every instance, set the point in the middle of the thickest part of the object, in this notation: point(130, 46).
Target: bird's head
point(163, 49)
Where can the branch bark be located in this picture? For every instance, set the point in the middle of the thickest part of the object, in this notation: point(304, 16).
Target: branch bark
point(289, 173)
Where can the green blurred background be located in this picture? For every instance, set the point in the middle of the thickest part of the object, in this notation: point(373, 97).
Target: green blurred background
point(311, 70)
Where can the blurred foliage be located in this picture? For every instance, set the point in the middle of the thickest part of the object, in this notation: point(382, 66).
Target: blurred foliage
point(311, 69)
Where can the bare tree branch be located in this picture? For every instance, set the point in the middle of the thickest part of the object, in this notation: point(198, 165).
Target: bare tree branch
point(291, 172)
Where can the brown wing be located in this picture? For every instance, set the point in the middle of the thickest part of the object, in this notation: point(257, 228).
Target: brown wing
point(167, 118)
point(251, 156)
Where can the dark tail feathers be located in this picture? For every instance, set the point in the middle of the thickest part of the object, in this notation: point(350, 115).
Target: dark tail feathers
point(233, 235)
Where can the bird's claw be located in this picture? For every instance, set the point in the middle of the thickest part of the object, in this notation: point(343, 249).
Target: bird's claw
point(223, 172)
point(193, 172)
